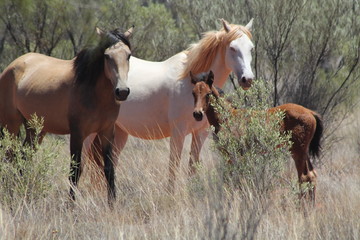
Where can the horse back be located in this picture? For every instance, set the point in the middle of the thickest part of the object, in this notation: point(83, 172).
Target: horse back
point(35, 83)
point(305, 125)
point(300, 121)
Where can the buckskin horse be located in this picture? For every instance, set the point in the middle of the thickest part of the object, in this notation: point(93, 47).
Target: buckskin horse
point(77, 97)
point(305, 125)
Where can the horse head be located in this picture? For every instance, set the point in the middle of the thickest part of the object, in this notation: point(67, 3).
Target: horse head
point(116, 61)
point(202, 91)
point(238, 52)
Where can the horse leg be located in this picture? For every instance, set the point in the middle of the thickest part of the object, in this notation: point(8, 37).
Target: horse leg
point(31, 135)
point(197, 141)
point(176, 146)
point(312, 175)
point(120, 139)
point(107, 139)
point(30, 141)
point(76, 141)
point(94, 143)
point(305, 175)
point(1, 132)
point(12, 123)
point(96, 152)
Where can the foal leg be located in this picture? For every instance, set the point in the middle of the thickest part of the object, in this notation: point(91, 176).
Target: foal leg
point(312, 175)
point(176, 146)
point(304, 174)
point(197, 141)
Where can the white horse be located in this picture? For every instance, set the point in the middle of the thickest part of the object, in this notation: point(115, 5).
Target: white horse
point(161, 104)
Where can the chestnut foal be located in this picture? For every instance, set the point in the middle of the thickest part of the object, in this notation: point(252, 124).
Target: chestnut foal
point(305, 125)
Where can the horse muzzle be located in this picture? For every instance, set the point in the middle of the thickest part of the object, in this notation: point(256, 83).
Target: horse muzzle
point(121, 94)
point(198, 115)
point(245, 82)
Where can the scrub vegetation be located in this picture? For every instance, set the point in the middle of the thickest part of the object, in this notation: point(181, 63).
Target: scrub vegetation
point(306, 52)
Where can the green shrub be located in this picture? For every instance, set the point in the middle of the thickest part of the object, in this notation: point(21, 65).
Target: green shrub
point(252, 147)
point(27, 174)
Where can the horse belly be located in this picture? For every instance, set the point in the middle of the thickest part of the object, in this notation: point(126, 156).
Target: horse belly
point(55, 121)
point(52, 107)
point(55, 126)
point(146, 119)
point(146, 126)
point(145, 114)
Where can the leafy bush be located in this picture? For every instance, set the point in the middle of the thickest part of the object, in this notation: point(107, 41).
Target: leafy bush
point(252, 147)
point(27, 173)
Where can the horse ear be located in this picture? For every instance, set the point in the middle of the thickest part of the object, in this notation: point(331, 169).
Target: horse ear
point(100, 32)
point(210, 79)
point(129, 32)
point(226, 25)
point(194, 80)
point(249, 25)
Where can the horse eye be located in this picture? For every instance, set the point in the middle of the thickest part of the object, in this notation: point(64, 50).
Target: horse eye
point(233, 49)
point(128, 58)
point(107, 57)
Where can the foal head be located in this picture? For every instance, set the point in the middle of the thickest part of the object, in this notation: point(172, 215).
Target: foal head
point(116, 61)
point(202, 91)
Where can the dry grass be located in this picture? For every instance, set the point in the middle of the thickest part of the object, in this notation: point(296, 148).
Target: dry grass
point(201, 208)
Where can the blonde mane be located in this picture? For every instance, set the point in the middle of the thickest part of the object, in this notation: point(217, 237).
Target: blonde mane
point(201, 55)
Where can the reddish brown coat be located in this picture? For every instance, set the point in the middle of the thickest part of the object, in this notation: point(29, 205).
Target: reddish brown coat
point(305, 125)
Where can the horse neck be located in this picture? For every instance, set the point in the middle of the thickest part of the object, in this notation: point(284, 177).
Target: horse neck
point(213, 118)
point(103, 86)
point(220, 70)
point(100, 91)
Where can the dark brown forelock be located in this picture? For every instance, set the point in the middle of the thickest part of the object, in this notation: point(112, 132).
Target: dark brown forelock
point(116, 35)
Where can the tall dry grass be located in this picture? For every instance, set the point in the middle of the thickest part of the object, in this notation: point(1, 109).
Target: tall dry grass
point(201, 208)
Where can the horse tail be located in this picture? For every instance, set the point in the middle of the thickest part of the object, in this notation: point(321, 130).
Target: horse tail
point(315, 146)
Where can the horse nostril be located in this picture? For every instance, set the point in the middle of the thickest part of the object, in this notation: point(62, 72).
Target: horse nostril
point(243, 79)
point(122, 94)
point(128, 91)
point(198, 116)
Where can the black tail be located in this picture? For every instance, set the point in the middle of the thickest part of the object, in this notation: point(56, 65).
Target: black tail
point(315, 146)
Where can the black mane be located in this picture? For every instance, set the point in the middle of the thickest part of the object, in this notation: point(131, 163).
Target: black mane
point(89, 62)
point(220, 91)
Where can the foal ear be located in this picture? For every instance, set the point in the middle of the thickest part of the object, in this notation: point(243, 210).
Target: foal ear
point(129, 32)
point(226, 25)
point(249, 25)
point(210, 79)
point(100, 32)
